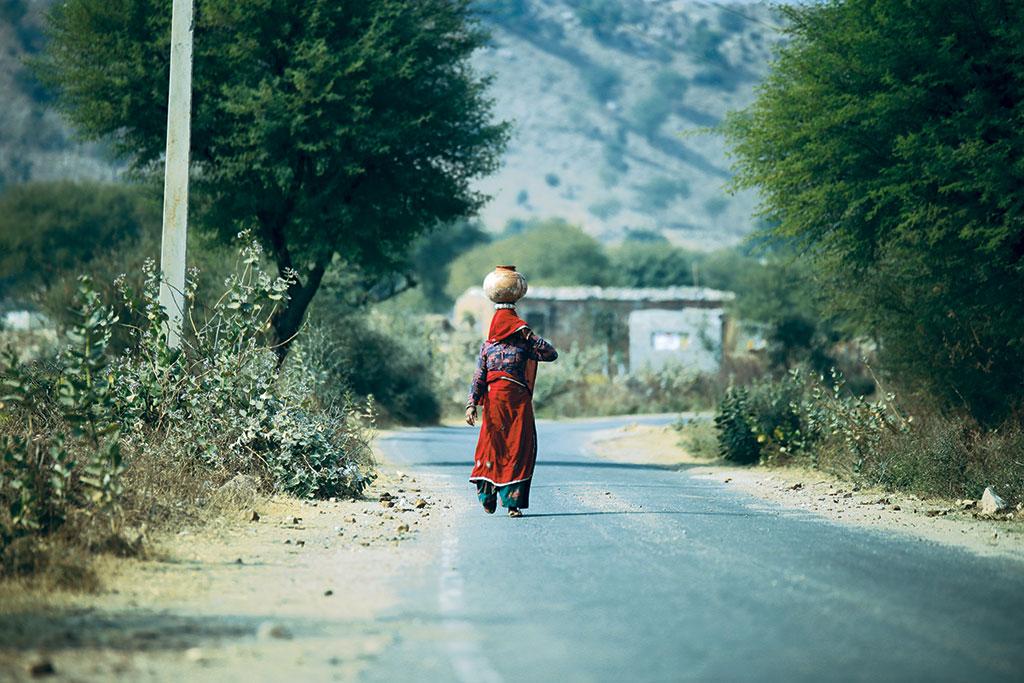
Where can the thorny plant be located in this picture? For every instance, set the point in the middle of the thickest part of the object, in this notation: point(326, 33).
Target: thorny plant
point(776, 419)
point(45, 473)
point(220, 400)
point(222, 397)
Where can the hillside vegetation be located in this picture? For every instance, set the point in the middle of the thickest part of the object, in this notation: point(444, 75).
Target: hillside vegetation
point(610, 101)
point(35, 142)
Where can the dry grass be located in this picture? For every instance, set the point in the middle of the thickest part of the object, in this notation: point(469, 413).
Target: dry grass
point(952, 457)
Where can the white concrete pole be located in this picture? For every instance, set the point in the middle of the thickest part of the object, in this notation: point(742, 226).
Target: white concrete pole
point(175, 225)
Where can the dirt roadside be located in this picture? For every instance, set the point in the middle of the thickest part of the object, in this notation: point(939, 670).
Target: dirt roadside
point(926, 519)
point(296, 594)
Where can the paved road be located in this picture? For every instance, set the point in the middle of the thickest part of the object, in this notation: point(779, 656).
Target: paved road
point(626, 572)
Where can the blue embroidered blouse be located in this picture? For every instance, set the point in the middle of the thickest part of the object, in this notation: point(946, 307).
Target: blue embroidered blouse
point(508, 356)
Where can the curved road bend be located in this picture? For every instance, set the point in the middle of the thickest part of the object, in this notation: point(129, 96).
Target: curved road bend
point(623, 572)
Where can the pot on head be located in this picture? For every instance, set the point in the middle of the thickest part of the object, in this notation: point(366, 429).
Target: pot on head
point(504, 285)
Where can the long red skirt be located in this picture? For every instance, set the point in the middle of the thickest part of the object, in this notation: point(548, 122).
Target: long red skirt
point(506, 451)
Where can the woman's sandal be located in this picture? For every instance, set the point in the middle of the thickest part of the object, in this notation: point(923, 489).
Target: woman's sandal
point(515, 512)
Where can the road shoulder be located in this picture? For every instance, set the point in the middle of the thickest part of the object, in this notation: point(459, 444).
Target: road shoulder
point(298, 590)
point(925, 519)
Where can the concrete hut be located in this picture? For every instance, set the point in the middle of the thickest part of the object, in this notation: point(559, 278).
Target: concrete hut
point(642, 328)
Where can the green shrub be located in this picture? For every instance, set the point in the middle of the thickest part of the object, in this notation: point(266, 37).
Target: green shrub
point(72, 434)
point(60, 442)
point(581, 384)
point(825, 425)
point(223, 399)
point(737, 436)
point(952, 457)
point(48, 229)
point(699, 437)
point(775, 420)
point(384, 357)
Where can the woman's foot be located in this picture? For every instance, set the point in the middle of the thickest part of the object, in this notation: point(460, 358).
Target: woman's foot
point(515, 512)
point(490, 505)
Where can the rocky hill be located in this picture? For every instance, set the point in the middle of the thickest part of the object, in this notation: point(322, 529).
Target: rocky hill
point(35, 143)
point(613, 104)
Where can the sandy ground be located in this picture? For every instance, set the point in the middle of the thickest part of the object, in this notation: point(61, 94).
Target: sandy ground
point(295, 594)
point(934, 520)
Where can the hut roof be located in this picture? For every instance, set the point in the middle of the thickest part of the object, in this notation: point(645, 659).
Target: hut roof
point(635, 294)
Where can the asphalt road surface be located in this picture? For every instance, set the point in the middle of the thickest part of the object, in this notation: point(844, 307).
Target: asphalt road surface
point(624, 572)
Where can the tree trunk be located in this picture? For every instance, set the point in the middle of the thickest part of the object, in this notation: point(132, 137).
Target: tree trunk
point(289, 319)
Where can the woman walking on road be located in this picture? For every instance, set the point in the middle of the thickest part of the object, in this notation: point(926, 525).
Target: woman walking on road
point(506, 451)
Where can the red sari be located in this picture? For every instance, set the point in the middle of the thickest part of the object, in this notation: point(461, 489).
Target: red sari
point(506, 450)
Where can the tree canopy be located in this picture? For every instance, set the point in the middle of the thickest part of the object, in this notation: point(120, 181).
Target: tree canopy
point(50, 228)
point(550, 252)
point(887, 145)
point(327, 128)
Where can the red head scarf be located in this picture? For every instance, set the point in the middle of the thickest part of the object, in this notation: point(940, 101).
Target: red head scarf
point(504, 324)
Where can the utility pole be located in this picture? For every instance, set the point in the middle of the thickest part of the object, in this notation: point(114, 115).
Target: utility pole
point(175, 224)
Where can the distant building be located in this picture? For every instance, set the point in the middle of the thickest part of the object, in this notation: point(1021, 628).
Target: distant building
point(640, 328)
point(24, 321)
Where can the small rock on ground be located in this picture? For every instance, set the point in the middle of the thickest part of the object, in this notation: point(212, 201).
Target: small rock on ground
point(269, 630)
point(991, 503)
point(41, 667)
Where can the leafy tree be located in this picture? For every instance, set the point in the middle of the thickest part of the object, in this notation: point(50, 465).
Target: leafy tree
point(331, 129)
point(549, 252)
point(432, 257)
point(651, 264)
point(48, 229)
point(886, 143)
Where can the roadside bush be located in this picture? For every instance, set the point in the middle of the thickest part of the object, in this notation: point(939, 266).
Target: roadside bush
point(48, 229)
point(953, 457)
point(775, 420)
point(698, 437)
point(91, 441)
point(384, 357)
point(805, 420)
point(223, 399)
point(60, 443)
point(762, 421)
point(581, 384)
point(735, 423)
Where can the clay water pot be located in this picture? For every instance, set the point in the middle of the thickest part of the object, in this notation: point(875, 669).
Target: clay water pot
point(504, 285)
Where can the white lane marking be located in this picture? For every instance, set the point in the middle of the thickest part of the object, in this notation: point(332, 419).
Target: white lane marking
point(467, 659)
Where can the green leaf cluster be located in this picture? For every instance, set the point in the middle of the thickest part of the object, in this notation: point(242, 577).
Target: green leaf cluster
point(327, 128)
point(550, 252)
point(887, 145)
point(48, 229)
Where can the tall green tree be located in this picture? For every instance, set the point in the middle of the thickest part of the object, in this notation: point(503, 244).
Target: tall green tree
point(887, 143)
point(328, 128)
point(48, 229)
point(651, 264)
point(548, 252)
